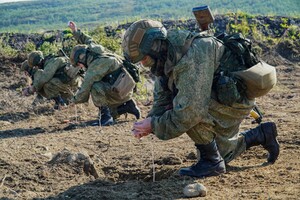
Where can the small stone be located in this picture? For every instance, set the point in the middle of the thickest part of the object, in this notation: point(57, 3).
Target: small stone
point(48, 155)
point(195, 190)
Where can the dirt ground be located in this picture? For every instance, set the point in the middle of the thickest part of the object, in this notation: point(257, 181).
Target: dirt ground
point(43, 157)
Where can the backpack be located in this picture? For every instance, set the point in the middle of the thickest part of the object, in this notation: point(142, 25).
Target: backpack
point(131, 68)
point(61, 72)
point(240, 73)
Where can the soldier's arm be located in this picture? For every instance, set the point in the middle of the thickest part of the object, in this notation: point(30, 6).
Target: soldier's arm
point(78, 35)
point(83, 94)
point(193, 78)
point(83, 38)
point(96, 71)
point(162, 100)
point(45, 75)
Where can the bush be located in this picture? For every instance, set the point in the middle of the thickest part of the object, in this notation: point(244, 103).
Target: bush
point(111, 43)
point(6, 50)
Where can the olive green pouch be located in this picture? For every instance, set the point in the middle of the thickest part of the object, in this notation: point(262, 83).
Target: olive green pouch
point(227, 91)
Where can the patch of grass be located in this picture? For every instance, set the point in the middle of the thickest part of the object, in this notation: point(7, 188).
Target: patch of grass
point(6, 50)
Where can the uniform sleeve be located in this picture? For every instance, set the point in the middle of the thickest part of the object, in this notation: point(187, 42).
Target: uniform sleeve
point(193, 77)
point(95, 72)
point(162, 99)
point(82, 38)
point(48, 72)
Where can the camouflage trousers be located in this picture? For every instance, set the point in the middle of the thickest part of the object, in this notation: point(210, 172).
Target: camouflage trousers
point(103, 95)
point(55, 87)
point(225, 130)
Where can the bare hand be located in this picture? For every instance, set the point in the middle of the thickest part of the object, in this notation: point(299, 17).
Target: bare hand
point(142, 128)
point(72, 26)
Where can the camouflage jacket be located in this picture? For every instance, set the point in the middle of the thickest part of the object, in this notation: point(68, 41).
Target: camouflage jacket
point(97, 68)
point(189, 101)
point(51, 66)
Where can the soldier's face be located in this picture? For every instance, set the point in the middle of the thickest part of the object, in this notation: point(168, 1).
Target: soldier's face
point(80, 65)
point(148, 61)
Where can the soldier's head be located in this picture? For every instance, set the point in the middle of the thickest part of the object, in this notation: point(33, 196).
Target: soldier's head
point(143, 38)
point(35, 58)
point(78, 55)
point(29, 71)
point(24, 66)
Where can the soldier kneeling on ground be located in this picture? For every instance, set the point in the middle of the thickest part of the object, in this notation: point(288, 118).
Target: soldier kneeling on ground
point(52, 77)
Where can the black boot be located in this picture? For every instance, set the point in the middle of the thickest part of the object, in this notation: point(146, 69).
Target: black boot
point(210, 163)
point(105, 117)
point(265, 134)
point(59, 102)
point(129, 107)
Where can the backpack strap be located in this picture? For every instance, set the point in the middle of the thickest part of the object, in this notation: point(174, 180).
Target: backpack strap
point(175, 54)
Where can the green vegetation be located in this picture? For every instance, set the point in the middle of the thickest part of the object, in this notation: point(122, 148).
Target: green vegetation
point(7, 50)
point(99, 36)
point(40, 15)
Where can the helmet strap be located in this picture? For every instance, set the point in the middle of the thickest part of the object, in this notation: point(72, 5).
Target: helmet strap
point(160, 57)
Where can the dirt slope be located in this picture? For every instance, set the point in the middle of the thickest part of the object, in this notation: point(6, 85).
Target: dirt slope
point(44, 158)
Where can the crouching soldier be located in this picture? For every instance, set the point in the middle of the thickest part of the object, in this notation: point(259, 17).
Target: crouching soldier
point(185, 100)
point(106, 79)
point(28, 72)
point(52, 77)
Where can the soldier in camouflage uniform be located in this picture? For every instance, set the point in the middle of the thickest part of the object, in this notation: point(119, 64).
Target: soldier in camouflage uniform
point(29, 77)
point(102, 68)
point(184, 101)
point(53, 78)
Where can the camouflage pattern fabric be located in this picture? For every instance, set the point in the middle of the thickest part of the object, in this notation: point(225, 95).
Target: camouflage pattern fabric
point(48, 86)
point(194, 109)
point(101, 92)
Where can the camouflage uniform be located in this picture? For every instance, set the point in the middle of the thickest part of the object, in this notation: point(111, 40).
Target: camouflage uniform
point(193, 108)
point(97, 68)
point(48, 85)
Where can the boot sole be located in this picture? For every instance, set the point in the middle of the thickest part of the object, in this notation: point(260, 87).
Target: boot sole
point(213, 173)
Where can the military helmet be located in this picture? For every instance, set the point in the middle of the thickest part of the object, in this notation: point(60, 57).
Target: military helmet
point(34, 58)
point(76, 52)
point(24, 66)
point(139, 37)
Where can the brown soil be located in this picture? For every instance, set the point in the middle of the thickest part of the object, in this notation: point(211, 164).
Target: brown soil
point(43, 157)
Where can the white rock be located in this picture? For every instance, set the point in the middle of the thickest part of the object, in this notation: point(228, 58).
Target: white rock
point(195, 190)
point(48, 155)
